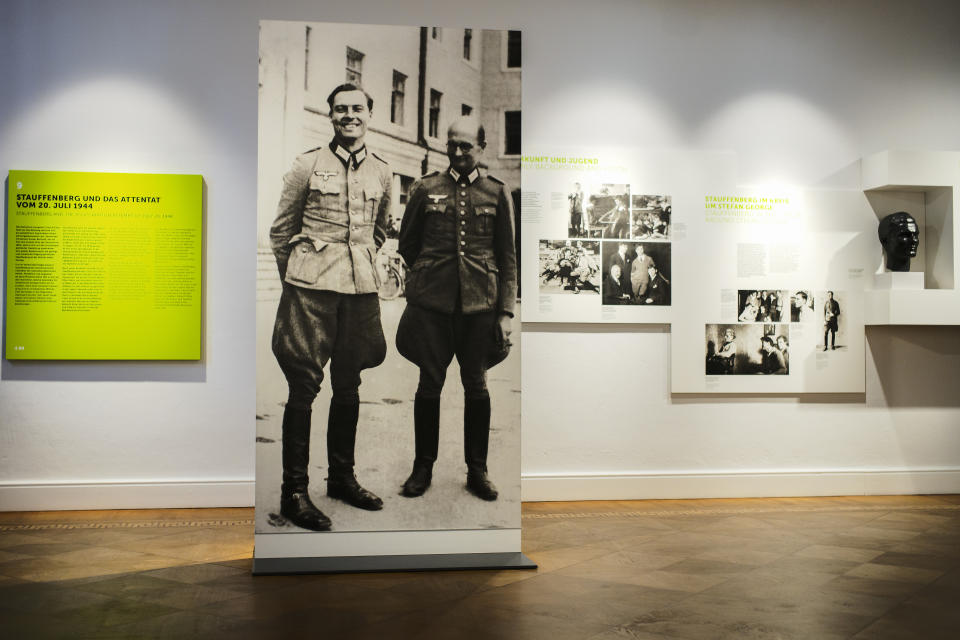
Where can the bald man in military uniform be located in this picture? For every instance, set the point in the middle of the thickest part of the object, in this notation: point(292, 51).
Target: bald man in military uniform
point(330, 222)
point(457, 238)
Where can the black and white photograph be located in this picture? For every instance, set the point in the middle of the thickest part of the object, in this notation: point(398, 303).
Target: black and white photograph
point(831, 305)
point(802, 306)
point(570, 266)
point(609, 211)
point(388, 337)
point(763, 305)
point(650, 217)
point(636, 273)
point(577, 221)
point(747, 349)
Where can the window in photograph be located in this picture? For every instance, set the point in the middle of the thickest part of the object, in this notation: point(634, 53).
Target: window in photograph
point(467, 43)
point(465, 109)
point(513, 49)
point(406, 182)
point(306, 60)
point(396, 98)
point(511, 133)
point(435, 113)
point(354, 66)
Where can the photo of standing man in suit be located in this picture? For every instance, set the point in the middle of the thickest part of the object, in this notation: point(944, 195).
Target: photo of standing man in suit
point(833, 325)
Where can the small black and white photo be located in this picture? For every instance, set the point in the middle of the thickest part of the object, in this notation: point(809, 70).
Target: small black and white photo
point(650, 217)
point(802, 305)
point(747, 349)
point(762, 305)
point(832, 305)
point(569, 266)
point(577, 220)
point(388, 190)
point(636, 273)
point(609, 211)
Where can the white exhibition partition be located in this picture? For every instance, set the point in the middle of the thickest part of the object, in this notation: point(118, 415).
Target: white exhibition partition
point(796, 93)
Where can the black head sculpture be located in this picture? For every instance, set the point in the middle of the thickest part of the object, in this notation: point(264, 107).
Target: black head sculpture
point(900, 237)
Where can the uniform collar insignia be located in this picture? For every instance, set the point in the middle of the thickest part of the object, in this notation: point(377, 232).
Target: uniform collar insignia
point(471, 177)
point(349, 159)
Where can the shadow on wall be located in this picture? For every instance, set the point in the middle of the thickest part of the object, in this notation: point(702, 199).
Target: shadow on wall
point(913, 366)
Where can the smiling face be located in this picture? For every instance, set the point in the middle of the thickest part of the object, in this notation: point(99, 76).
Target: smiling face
point(350, 114)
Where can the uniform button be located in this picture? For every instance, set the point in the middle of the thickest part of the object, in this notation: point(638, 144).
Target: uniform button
point(462, 203)
point(463, 222)
point(462, 212)
point(463, 193)
point(462, 243)
point(353, 196)
point(463, 233)
point(461, 253)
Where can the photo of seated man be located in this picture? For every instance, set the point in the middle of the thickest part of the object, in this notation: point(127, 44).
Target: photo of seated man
point(569, 266)
point(753, 349)
point(645, 286)
point(650, 217)
point(760, 305)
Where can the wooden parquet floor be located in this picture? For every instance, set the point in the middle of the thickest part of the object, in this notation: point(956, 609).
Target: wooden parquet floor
point(817, 568)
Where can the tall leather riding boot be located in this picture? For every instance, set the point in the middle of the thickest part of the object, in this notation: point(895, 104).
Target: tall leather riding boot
point(476, 438)
point(426, 430)
point(341, 438)
point(295, 503)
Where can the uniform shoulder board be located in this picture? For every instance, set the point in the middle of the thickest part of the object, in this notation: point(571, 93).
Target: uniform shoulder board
point(496, 179)
point(378, 157)
point(314, 149)
point(430, 175)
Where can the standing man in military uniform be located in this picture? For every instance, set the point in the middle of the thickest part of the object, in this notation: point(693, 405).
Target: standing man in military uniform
point(330, 222)
point(457, 238)
point(576, 211)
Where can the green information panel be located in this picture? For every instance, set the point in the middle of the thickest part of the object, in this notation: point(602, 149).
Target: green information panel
point(103, 266)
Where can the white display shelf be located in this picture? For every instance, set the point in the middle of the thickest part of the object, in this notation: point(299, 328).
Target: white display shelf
point(926, 184)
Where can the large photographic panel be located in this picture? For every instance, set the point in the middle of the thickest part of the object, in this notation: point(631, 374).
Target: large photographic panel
point(366, 208)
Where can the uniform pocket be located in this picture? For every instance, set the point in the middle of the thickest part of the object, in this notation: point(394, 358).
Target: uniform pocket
point(324, 197)
point(306, 263)
point(372, 195)
point(486, 216)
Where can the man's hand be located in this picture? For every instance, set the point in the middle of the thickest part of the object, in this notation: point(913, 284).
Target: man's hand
point(506, 325)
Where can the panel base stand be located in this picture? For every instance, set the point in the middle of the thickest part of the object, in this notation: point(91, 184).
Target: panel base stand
point(898, 280)
point(363, 564)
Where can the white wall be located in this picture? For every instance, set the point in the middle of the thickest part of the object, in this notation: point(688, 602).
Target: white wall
point(799, 90)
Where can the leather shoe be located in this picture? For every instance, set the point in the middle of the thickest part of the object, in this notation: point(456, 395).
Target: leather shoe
point(418, 482)
point(350, 491)
point(479, 485)
point(300, 510)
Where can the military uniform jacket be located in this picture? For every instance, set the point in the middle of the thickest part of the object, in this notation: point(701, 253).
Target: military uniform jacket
point(331, 220)
point(457, 238)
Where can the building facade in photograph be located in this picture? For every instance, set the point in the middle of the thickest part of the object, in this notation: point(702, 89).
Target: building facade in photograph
point(420, 78)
